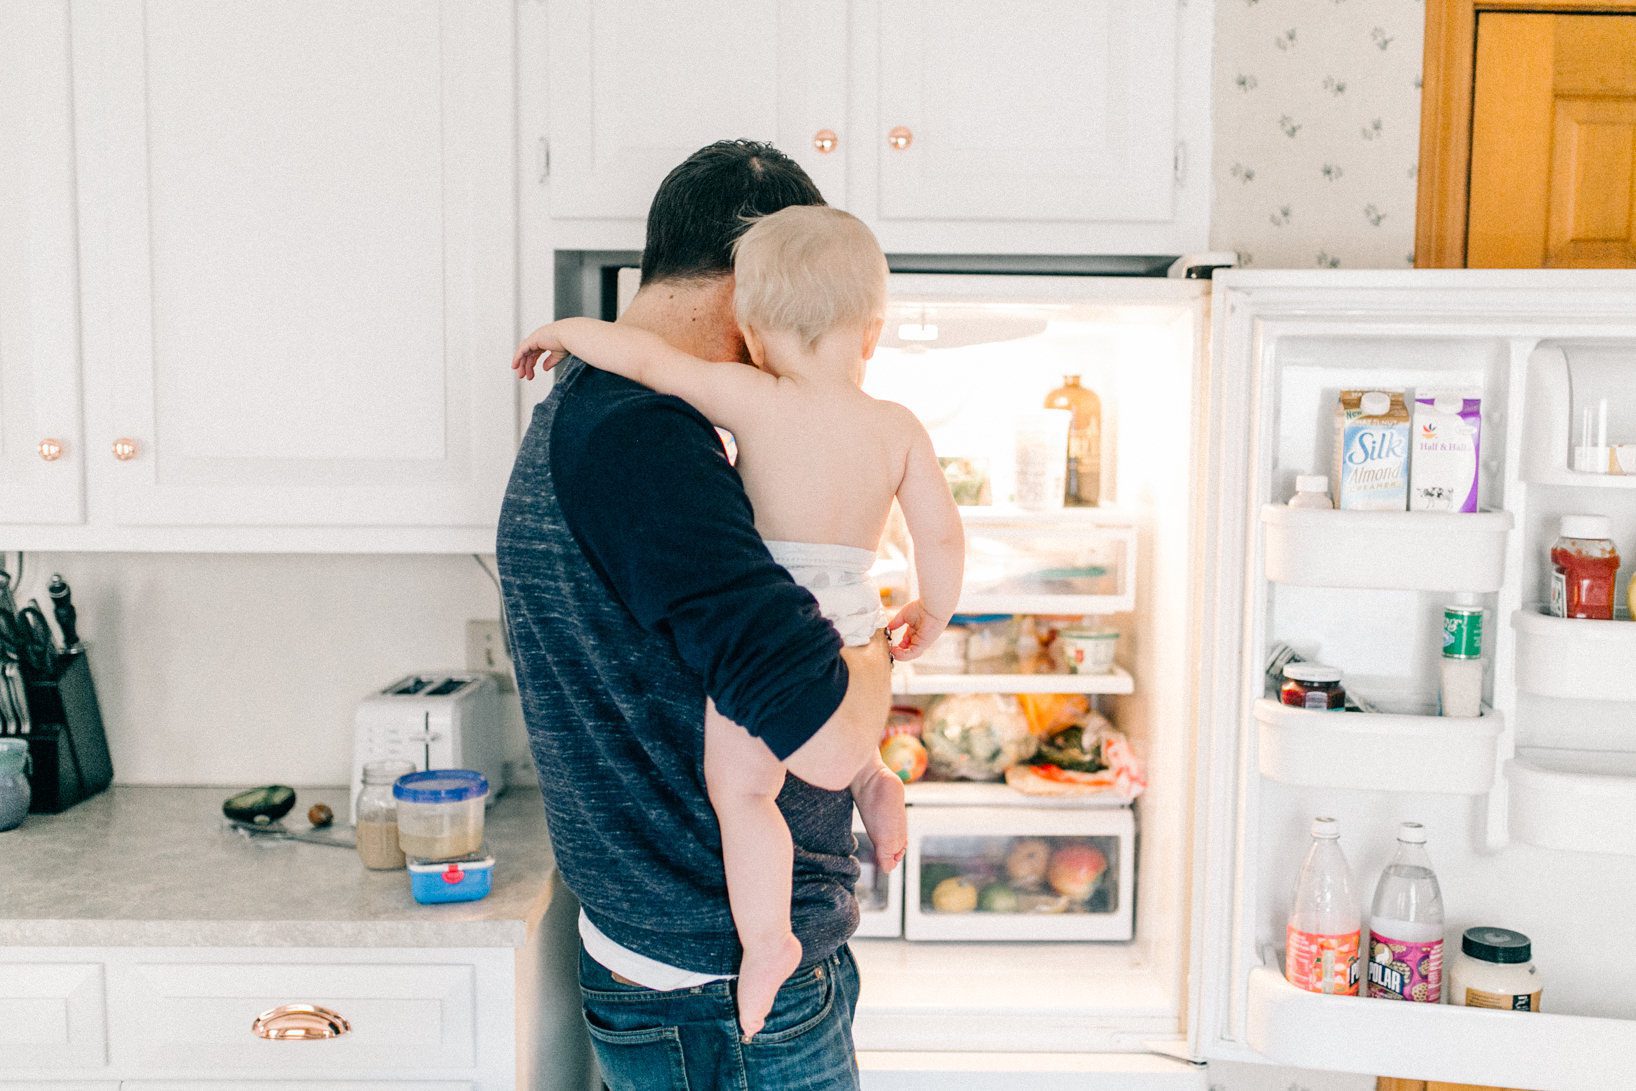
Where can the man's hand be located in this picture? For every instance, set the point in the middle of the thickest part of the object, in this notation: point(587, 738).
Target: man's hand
point(919, 629)
point(542, 349)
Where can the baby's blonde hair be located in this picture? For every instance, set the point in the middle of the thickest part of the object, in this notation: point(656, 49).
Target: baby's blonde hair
point(806, 270)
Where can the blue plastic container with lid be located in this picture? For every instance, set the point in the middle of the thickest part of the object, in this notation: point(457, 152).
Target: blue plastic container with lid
point(464, 880)
point(440, 813)
point(15, 795)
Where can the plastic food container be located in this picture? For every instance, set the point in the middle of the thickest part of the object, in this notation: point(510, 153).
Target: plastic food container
point(988, 636)
point(464, 880)
point(440, 813)
point(1088, 651)
point(948, 652)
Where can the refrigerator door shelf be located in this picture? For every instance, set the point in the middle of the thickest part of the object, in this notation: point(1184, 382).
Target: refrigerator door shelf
point(1574, 658)
point(1378, 752)
point(1435, 1041)
point(1387, 550)
point(1577, 800)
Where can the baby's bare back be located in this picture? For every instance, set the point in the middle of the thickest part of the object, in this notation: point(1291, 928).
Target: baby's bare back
point(823, 463)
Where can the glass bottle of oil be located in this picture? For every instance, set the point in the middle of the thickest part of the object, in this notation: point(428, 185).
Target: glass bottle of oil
point(1084, 439)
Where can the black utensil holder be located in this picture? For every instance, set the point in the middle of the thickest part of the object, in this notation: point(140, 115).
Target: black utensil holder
point(67, 746)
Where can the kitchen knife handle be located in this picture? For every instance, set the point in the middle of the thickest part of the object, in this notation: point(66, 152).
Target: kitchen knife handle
point(62, 605)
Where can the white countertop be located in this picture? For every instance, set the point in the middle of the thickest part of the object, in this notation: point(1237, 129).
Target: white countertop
point(159, 867)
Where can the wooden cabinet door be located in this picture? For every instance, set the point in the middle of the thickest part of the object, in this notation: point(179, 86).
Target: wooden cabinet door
point(1043, 110)
point(298, 226)
point(638, 86)
point(42, 453)
point(1553, 150)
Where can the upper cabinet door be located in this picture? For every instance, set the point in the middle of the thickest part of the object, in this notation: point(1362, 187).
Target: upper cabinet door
point(635, 88)
point(42, 456)
point(299, 253)
point(1041, 110)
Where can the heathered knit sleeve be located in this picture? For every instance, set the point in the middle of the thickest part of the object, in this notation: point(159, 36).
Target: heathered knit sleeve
point(663, 517)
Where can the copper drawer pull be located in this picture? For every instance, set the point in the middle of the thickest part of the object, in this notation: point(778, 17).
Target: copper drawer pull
point(299, 1023)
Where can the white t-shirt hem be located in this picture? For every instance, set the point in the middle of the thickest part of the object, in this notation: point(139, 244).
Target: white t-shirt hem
point(647, 972)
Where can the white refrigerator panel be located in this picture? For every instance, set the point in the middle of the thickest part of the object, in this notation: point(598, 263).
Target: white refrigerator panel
point(1526, 839)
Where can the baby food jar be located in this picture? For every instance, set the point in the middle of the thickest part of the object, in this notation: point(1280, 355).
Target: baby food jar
point(440, 813)
point(1312, 685)
point(1494, 969)
point(15, 795)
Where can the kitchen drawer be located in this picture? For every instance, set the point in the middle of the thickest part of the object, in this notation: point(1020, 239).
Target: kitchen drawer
point(403, 1016)
point(61, 1085)
point(52, 1014)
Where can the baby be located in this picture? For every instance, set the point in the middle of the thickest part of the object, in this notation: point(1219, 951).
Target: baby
point(821, 462)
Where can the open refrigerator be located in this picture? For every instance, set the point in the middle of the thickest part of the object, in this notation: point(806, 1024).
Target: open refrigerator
point(1531, 808)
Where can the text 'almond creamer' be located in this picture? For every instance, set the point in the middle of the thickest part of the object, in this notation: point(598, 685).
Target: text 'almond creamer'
point(1372, 451)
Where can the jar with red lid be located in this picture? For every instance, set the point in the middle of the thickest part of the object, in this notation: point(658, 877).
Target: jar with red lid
point(1584, 568)
point(1313, 685)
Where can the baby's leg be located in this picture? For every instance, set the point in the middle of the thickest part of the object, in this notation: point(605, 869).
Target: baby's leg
point(879, 795)
point(744, 779)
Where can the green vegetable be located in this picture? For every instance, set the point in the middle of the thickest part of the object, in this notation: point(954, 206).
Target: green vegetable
point(997, 898)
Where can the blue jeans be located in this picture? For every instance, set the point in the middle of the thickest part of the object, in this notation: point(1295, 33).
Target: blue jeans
point(688, 1039)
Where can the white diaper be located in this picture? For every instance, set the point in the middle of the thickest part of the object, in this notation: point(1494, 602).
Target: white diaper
point(838, 577)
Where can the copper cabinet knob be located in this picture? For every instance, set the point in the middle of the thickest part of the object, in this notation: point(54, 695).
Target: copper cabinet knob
point(124, 449)
point(899, 138)
point(51, 449)
point(825, 141)
point(299, 1023)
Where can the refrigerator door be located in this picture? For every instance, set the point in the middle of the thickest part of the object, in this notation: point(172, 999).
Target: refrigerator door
point(1284, 345)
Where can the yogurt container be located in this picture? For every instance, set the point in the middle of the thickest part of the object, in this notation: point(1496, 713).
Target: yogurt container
point(440, 813)
point(1088, 651)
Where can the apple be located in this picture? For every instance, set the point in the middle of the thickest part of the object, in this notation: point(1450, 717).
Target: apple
point(1076, 870)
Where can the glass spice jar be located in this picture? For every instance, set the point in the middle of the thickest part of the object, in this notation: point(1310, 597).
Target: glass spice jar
point(376, 816)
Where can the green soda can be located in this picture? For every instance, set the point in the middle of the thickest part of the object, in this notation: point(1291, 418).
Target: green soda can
point(1462, 632)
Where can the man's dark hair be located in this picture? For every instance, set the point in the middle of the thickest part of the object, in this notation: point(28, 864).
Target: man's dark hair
point(703, 206)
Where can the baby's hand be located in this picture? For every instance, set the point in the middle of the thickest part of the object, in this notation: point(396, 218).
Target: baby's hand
point(919, 629)
point(543, 342)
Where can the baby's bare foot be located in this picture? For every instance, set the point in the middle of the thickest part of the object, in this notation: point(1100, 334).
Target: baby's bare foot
point(765, 968)
point(879, 797)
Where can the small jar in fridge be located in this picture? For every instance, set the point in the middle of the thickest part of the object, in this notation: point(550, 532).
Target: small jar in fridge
point(1495, 969)
point(1584, 568)
point(376, 815)
point(1313, 686)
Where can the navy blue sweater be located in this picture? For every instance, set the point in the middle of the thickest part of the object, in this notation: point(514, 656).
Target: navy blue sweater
point(635, 583)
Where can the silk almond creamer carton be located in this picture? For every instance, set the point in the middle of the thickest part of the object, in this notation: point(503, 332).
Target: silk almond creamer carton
point(1372, 451)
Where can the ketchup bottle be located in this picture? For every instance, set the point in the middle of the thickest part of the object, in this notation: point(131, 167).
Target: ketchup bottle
point(1584, 568)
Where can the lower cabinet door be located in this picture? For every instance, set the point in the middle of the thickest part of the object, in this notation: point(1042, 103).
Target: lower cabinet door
point(52, 1016)
point(217, 1017)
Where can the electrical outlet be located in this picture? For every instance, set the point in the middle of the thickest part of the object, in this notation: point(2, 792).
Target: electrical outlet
point(486, 647)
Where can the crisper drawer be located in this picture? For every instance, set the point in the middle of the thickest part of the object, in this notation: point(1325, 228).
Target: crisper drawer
point(880, 895)
point(52, 1015)
point(1048, 564)
point(395, 1016)
point(1020, 873)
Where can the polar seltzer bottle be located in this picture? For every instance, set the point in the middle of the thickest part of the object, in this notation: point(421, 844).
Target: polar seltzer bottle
point(1406, 925)
point(1321, 953)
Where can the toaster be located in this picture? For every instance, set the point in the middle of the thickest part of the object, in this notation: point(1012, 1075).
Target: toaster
point(434, 721)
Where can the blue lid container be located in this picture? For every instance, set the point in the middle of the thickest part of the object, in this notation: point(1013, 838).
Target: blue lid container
point(465, 880)
point(441, 786)
point(977, 619)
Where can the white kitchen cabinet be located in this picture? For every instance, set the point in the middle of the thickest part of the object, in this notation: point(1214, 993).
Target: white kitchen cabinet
point(635, 88)
point(52, 1013)
point(1047, 110)
point(1047, 127)
point(298, 271)
point(42, 475)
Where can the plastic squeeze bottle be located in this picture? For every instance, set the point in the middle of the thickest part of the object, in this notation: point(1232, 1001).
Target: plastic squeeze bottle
point(1406, 925)
point(1311, 491)
point(1321, 955)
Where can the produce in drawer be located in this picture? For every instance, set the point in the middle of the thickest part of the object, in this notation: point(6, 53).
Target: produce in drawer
point(1076, 871)
point(1017, 875)
point(977, 736)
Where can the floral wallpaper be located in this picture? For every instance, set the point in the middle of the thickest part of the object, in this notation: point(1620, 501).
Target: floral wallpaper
point(1317, 131)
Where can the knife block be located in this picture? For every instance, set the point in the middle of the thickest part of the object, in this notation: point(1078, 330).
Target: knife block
point(67, 747)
